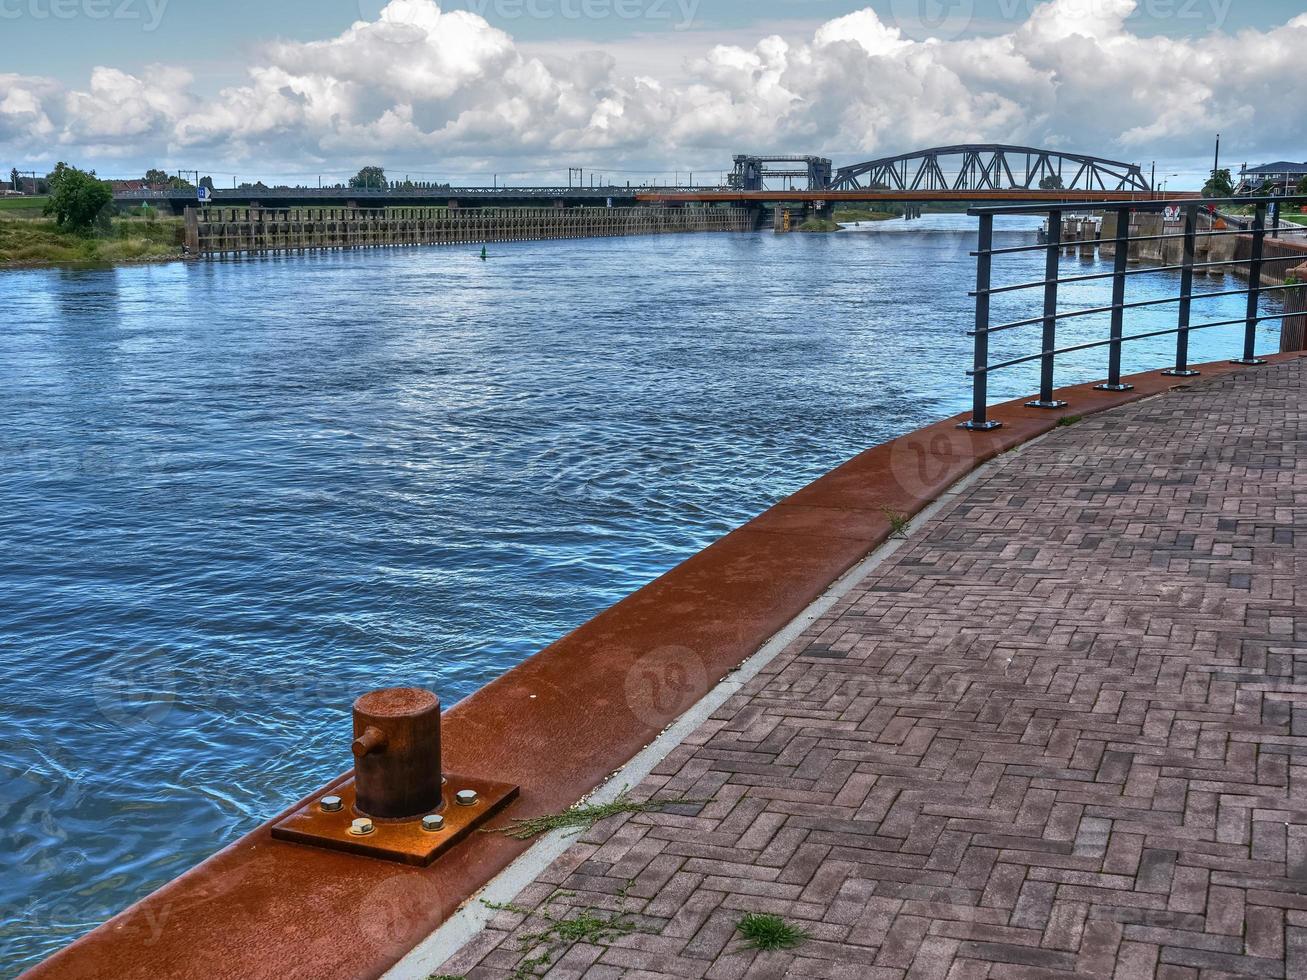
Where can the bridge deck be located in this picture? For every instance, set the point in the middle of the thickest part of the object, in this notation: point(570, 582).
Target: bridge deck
point(1061, 731)
point(1016, 196)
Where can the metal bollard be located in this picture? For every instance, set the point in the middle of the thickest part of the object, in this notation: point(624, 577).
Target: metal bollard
point(398, 805)
point(397, 753)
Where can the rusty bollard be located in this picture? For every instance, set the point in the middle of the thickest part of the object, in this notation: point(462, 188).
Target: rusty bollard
point(398, 806)
point(397, 753)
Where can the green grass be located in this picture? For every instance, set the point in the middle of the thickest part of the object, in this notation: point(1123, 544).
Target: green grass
point(561, 932)
point(859, 214)
point(815, 224)
point(768, 932)
point(22, 203)
point(1297, 219)
point(582, 817)
point(1069, 420)
point(25, 242)
point(28, 208)
point(898, 522)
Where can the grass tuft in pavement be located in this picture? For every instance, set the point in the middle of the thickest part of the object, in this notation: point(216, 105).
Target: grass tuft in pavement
point(898, 522)
point(582, 817)
point(768, 932)
point(542, 947)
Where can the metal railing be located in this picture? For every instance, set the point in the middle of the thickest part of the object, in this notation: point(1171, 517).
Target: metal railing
point(1121, 240)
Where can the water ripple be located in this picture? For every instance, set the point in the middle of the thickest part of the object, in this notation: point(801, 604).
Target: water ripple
point(235, 495)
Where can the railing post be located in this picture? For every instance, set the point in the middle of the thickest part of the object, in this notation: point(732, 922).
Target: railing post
point(1254, 290)
point(980, 379)
point(1118, 303)
point(1182, 369)
point(1051, 271)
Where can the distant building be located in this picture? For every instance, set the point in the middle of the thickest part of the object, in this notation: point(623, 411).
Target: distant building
point(1283, 175)
point(129, 185)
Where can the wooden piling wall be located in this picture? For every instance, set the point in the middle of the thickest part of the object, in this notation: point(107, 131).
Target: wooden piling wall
point(259, 231)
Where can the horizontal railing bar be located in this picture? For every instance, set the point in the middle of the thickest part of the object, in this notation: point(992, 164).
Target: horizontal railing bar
point(1129, 272)
point(1138, 336)
point(1143, 206)
point(1069, 242)
point(1090, 310)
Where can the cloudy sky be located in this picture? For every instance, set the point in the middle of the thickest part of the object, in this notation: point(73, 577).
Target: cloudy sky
point(461, 90)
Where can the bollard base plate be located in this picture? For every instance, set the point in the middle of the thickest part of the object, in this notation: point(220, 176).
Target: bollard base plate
point(396, 840)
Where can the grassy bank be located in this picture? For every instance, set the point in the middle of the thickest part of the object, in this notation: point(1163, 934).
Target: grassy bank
point(33, 242)
point(22, 207)
point(858, 214)
point(819, 224)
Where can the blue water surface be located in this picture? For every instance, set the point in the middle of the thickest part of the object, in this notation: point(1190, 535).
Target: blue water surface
point(234, 495)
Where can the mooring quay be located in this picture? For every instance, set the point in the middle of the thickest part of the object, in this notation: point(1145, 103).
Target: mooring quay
point(1052, 726)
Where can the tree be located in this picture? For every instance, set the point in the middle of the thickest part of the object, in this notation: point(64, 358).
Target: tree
point(155, 177)
point(1302, 186)
point(79, 200)
point(207, 182)
point(14, 178)
point(1053, 182)
point(369, 177)
point(1220, 184)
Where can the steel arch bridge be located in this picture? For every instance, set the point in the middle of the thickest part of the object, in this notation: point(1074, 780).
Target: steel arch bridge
point(990, 167)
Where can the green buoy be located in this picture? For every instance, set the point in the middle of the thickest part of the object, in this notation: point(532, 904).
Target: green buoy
point(483, 253)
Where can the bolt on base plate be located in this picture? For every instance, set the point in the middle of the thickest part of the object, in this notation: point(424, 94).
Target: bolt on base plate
point(1052, 404)
point(1173, 373)
point(406, 841)
point(1114, 387)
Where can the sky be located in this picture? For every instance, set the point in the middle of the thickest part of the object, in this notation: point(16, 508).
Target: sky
point(519, 90)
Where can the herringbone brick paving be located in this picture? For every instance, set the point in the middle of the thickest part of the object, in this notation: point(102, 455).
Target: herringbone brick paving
point(1062, 732)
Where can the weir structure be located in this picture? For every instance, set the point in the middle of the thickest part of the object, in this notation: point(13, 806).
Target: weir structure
point(230, 231)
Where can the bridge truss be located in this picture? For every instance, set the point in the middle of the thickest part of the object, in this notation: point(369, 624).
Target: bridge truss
point(993, 167)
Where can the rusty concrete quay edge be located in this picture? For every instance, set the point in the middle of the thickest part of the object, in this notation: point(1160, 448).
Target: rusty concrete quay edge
point(557, 725)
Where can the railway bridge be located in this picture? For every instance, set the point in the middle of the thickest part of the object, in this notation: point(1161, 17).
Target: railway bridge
point(965, 172)
point(263, 218)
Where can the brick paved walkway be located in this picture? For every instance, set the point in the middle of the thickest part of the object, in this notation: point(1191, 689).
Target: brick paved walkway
point(1062, 732)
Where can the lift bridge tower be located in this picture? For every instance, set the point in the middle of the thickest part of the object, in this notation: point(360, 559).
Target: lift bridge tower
point(751, 172)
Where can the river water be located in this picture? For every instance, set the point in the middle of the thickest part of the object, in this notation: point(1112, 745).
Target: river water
point(235, 495)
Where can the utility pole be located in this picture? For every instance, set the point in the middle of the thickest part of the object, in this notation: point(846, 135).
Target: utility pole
point(1216, 162)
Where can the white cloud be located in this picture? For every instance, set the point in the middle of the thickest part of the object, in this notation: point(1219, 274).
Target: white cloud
point(438, 90)
point(864, 29)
